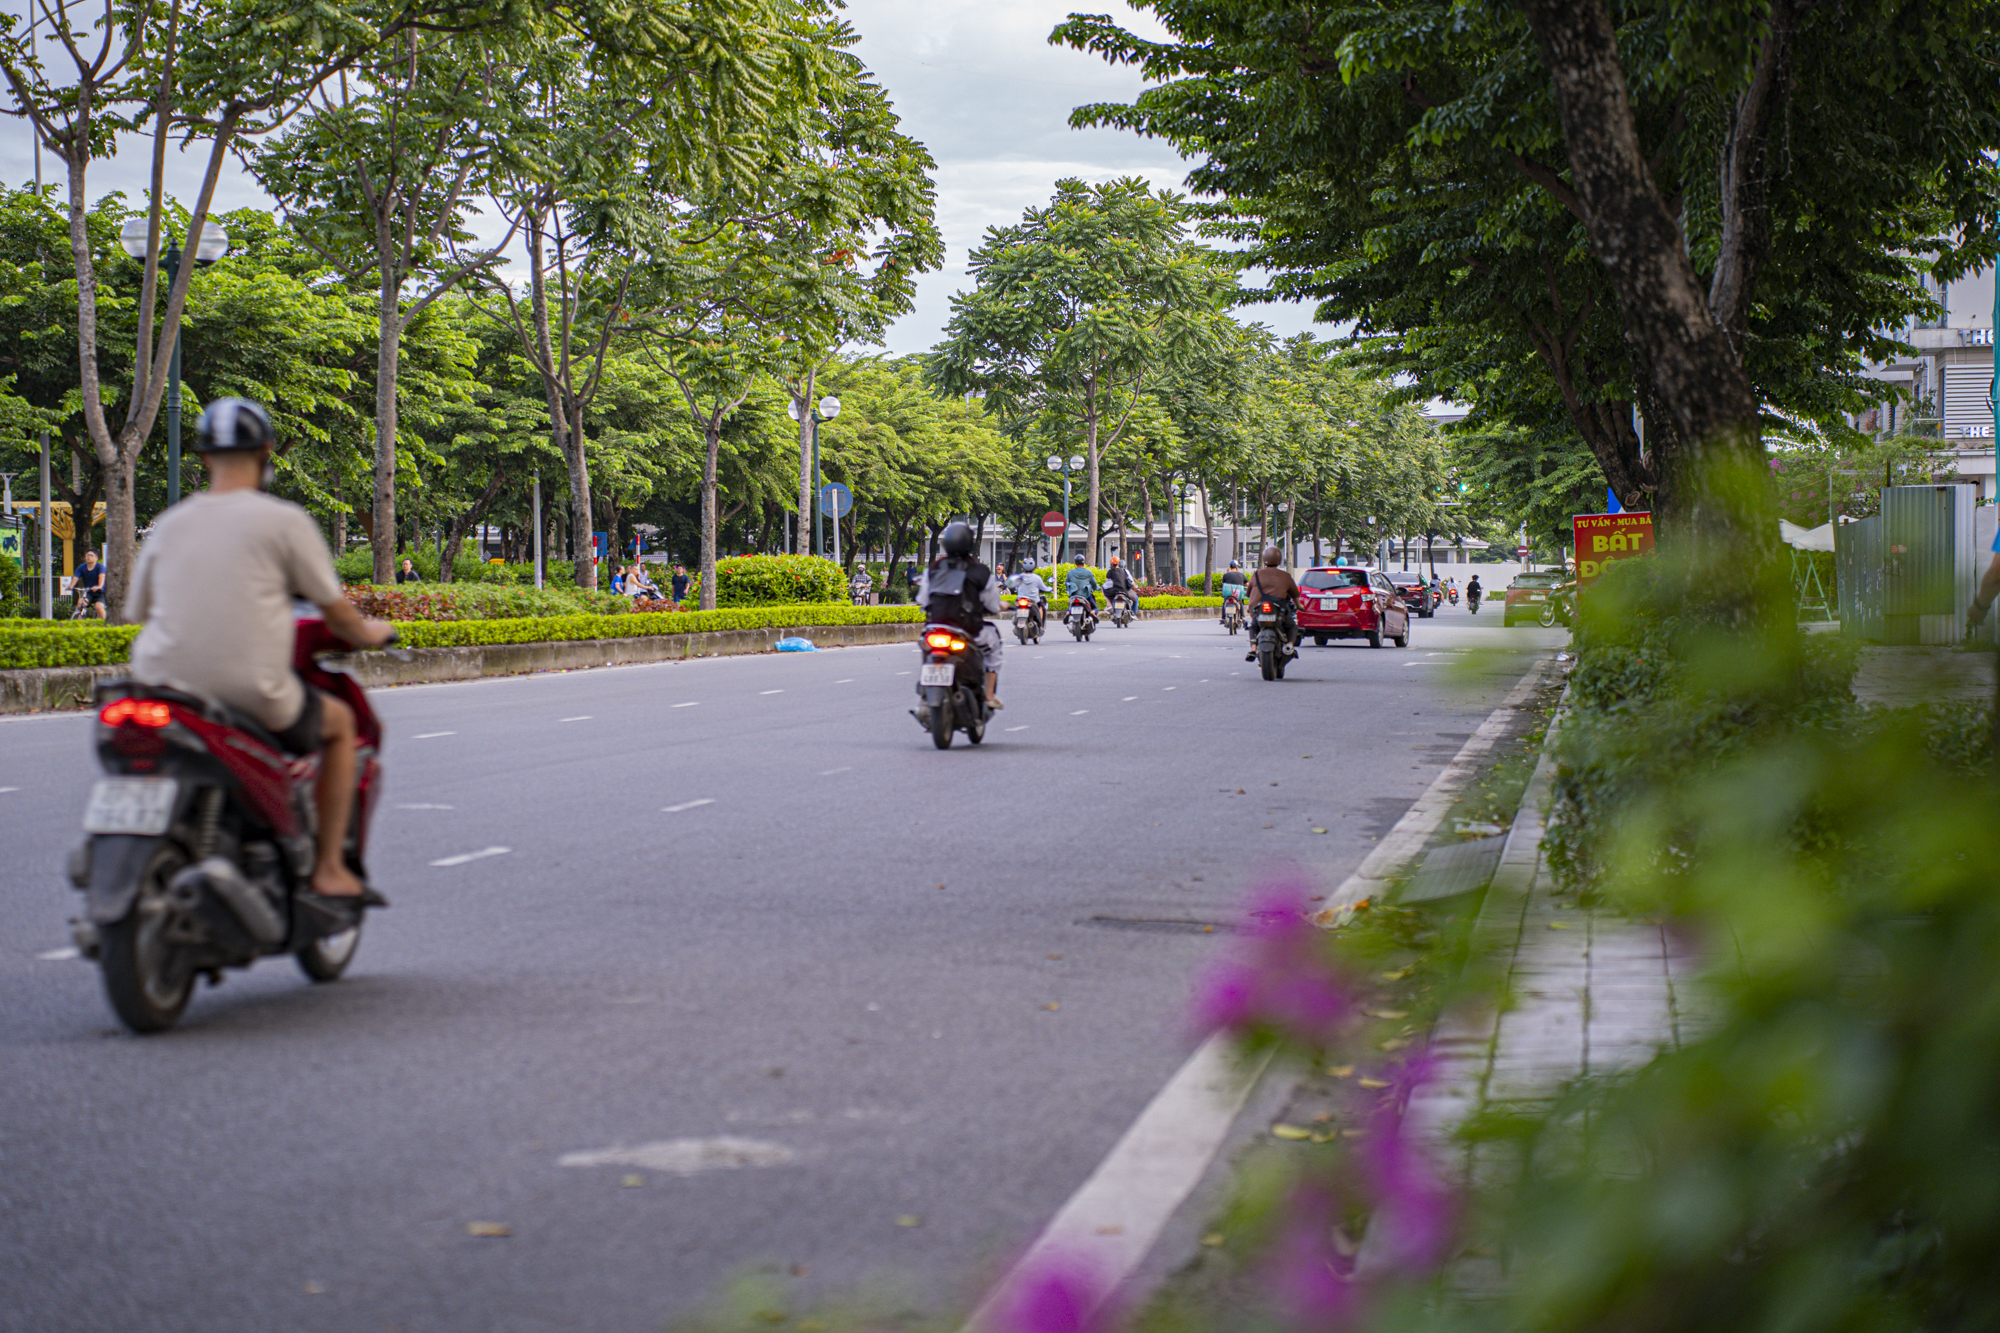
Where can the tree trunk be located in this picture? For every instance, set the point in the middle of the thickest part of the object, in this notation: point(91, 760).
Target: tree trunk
point(1208, 545)
point(709, 461)
point(389, 326)
point(455, 531)
point(581, 535)
point(1146, 528)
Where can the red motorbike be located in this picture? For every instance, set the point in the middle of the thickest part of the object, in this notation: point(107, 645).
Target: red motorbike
point(202, 837)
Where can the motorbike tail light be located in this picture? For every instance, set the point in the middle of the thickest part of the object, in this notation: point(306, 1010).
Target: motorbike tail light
point(1267, 608)
point(141, 712)
point(1023, 603)
point(938, 640)
point(958, 645)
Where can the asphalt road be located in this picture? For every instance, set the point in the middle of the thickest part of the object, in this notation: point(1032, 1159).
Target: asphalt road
point(760, 984)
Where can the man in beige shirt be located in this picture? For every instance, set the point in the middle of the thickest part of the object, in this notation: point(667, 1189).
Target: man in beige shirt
point(214, 588)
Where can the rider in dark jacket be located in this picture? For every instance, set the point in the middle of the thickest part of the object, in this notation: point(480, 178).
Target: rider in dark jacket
point(1118, 583)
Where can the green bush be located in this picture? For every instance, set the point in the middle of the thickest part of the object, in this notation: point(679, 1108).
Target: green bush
point(12, 603)
point(544, 629)
point(63, 643)
point(1177, 603)
point(773, 580)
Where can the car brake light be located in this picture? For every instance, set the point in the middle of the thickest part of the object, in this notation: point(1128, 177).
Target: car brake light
point(143, 712)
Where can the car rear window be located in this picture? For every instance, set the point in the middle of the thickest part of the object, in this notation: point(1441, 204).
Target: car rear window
point(1335, 578)
point(1537, 579)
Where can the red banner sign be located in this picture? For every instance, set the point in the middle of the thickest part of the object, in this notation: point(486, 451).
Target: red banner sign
point(1603, 538)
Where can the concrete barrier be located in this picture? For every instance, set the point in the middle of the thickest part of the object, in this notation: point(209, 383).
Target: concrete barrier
point(45, 689)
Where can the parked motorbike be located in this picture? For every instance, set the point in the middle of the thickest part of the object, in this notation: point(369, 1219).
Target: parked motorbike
point(951, 686)
point(1121, 611)
point(1027, 625)
point(1561, 606)
point(202, 839)
point(1232, 613)
point(1271, 632)
point(1081, 623)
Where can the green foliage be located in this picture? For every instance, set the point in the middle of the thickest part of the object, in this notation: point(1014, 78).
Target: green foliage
point(451, 634)
point(1169, 603)
point(774, 580)
point(475, 601)
point(12, 603)
point(64, 644)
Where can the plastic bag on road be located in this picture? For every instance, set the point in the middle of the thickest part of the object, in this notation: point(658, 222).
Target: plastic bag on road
point(795, 644)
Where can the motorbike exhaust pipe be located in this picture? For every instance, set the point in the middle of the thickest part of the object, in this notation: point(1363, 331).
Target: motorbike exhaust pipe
point(217, 877)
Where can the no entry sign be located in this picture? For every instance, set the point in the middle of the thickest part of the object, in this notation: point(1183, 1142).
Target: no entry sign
point(1054, 524)
point(1603, 538)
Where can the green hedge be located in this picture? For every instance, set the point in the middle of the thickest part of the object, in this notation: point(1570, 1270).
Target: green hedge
point(12, 603)
point(1176, 603)
point(772, 580)
point(64, 644)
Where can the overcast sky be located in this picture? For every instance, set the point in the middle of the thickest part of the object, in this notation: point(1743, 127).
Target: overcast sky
point(975, 80)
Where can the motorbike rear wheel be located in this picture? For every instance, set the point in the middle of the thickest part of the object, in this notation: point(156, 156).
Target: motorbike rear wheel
point(328, 956)
point(1548, 614)
point(1267, 661)
point(941, 724)
point(146, 976)
point(975, 726)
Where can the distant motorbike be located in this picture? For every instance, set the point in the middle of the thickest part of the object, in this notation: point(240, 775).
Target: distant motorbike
point(1121, 611)
point(1232, 613)
point(951, 686)
point(1271, 632)
point(860, 591)
point(1079, 620)
point(202, 839)
point(1472, 601)
point(1027, 624)
point(1451, 595)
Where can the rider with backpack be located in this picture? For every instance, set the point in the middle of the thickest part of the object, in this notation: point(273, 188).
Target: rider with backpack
point(958, 590)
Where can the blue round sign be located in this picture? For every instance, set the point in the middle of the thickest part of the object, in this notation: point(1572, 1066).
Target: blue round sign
point(835, 500)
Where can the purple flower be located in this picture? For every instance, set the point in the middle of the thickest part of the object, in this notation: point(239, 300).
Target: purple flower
point(1283, 982)
point(1057, 1294)
point(1311, 1281)
point(1414, 1211)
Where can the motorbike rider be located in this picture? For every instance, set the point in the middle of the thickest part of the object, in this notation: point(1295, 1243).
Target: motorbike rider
point(214, 587)
point(1028, 583)
point(1118, 583)
point(1273, 583)
point(862, 584)
point(1081, 582)
point(1473, 593)
point(1233, 581)
point(982, 590)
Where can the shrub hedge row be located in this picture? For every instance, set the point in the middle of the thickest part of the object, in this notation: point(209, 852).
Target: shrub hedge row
point(62, 643)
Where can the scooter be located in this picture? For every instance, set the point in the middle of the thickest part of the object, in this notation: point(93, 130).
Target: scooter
point(1027, 624)
point(202, 840)
point(1080, 621)
point(1271, 634)
point(1121, 611)
point(951, 686)
point(1472, 602)
point(1451, 595)
point(1232, 613)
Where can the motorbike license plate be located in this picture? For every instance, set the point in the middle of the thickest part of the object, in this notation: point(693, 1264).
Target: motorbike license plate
point(943, 673)
point(130, 805)
point(1020, 617)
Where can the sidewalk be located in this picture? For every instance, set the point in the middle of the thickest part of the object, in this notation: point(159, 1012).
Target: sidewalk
point(1906, 677)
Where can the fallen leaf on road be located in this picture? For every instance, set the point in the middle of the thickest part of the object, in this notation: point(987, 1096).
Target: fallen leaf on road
point(1558, 925)
point(1239, 791)
point(1372, 1083)
point(1055, 957)
point(1394, 1043)
point(909, 1220)
point(1213, 1239)
point(488, 1229)
point(315, 1289)
point(1317, 829)
point(1340, 1071)
point(1400, 973)
point(633, 1182)
point(1111, 1231)
point(1327, 1137)
point(1290, 1132)
point(1052, 1007)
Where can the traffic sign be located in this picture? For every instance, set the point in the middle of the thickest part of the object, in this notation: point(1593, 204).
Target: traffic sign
point(1054, 524)
point(1521, 551)
point(835, 500)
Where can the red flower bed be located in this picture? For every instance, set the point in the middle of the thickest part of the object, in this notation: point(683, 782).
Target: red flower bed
point(1164, 590)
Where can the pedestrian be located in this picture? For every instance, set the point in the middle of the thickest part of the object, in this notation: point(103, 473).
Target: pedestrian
point(88, 585)
point(408, 573)
point(1989, 588)
point(680, 582)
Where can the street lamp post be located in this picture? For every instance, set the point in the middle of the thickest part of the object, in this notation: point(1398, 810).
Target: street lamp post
point(1068, 467)
point(136, 236)
point(827, 409)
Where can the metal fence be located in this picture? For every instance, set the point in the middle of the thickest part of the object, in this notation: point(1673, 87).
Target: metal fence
point(1907, 575)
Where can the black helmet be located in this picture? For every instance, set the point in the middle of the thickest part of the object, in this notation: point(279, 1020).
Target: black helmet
point(233, 425)
point(1079, 560)
point(957, 539)
point(1236, 564)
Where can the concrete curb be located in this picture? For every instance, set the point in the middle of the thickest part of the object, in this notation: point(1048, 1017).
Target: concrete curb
point(48, 689)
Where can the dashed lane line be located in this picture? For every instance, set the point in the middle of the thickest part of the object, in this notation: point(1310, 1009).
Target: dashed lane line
point(431, 735)
point(465, 857)
point(1023, 727)
point(422, 805)
point(845, 768)
point(695, 704)
point(687, 805)
point(57, 955)
point(583, 717)
point(1079, 712)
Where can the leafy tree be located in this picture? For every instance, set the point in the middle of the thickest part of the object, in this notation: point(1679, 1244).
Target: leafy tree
point(1077, 310)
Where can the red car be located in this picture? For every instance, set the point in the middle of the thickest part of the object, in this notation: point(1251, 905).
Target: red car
point(1342, 602)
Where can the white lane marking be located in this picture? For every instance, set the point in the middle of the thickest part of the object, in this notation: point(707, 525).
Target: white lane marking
point(57, 955)
point(1022, 727)
point(1079, 712)
point(687, 1157)
point(1114, 1218)
point(902, 673)
point(849, 768)
point(420, 805)
point(583, 717)
point(5, 790)
point(1169, 687)
point(687, 805)
point(463, 857)
point(848, 681)
point(770, 691)
point(1129, 699)
point(431, 735)
point(695, 704)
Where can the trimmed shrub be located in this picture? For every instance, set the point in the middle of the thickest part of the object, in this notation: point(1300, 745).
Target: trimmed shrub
point(545, 629)
point(1177, 603)
point(772, 580)
point(357, 565)
point(12, 603)
point(63, 643)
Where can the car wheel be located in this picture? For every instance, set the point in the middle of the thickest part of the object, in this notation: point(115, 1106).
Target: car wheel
point(1319, 640)
point(1374, 638)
